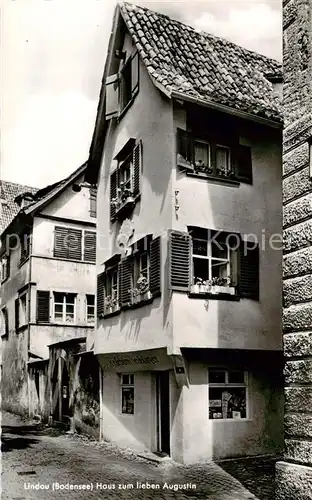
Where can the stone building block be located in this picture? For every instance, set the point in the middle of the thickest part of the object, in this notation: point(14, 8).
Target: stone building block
point(297, 290)
point(297, 210)
point(297, 185)
point(298, 236)
point(299, 451)
point(297, 317)
point(298, 425)
point(298, 372)
point(298, 399)
point(298, 344)
point(293, 482)
point(297, 263)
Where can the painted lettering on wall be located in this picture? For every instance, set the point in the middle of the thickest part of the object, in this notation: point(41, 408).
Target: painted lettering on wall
point(137, 360)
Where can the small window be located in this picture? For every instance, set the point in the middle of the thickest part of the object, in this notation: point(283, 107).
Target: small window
point(127, 394)
point(4, 322)
point(111, 301)
point(64, 307)
point(227, 394)
point(90, 308)
point(67, 243)
point(25, 245)
point(92, 202)
point(5, 267)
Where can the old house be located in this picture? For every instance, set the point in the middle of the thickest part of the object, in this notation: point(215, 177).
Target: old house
point(294, 474)
point(186, 154)
point(47, 295)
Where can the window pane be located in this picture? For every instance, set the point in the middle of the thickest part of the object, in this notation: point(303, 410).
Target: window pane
point(125, 379)
point(200, 247)
point(236, 377)
point(90, 300)
point(127, 400)
point(219, 270)
point(201, 154)
point(70, 298)
point(58, 308)
point(233, 403)
point(217, 377)
point(131, 379)
point(200, 269)
point(223, 160)
point(219, 248)
point(144, 261)
point(59, 315)
point(58, 297)
point(69, 309)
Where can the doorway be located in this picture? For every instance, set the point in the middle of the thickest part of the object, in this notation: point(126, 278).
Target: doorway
point(163, 412)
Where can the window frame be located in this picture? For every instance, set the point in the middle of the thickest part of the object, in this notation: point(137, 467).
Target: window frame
point(25, 246)
point(22, 311)
point(5, 316)
point(126, 386)
point(64, 304)
point(5, 265)
point(88, 295)
point(111, 272)
point(229, 385)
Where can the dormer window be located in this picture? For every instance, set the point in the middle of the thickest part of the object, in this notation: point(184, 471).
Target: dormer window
point(122, 88)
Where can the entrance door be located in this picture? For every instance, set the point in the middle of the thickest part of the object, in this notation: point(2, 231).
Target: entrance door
point(163, 412)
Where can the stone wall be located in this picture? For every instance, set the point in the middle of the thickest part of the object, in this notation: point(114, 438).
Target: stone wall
point(294, 474)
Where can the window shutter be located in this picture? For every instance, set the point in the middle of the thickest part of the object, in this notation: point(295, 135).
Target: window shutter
point(74, 243)
point(89, 246)
point(125, 277)
point(113, 193)
point(135, 68)
point(155, 270)
point(185, 149)
point(179, 260)
point(249, 271)
point(43, 306)
point(100, 293)
point(112, 103)
point(137, 168)
point(16, 314)
point(243, 164)
point(60, 246)
point(92, 202)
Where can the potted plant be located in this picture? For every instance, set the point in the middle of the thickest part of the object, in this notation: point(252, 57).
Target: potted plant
point(110, 304)
point(141, 291)
point(222, 285)
point(124, 196)
point(201, 286)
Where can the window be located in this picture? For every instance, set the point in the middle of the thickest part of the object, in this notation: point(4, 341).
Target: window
point(214, 262)
point(90, 308)
point(227, 394)
point(122, 88)
point(92, 202)
point(74, 244)
point(227, 160)
point(125, 181)
point(111, 302)
point(64, 307)
point(212, 257)
point(127, 394)
point(25, 245)
point(21, 311)
point(43, 306)
point(4, 322)
point(5, 267)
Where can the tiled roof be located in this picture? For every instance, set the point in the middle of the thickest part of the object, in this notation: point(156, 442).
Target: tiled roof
point(8, 208)
point(201, 65)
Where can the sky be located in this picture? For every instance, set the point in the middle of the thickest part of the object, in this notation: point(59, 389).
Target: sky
point(53, 56)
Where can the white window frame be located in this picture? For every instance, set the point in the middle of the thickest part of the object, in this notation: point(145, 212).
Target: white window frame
point(208, 145)
point(63, 320)
point(23, 321)
point(210, 258)
point(129, 385)
point(88, 315)
point(227, 384)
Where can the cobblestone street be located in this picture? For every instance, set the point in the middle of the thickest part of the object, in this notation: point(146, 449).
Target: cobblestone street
point(54, 462)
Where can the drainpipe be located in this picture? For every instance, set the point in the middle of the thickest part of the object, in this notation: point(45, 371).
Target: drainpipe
point(101, 402)
point(29, 315)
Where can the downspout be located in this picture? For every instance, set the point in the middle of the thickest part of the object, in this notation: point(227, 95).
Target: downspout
point(29, 313)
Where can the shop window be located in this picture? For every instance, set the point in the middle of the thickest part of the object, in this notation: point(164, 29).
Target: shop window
point(127, 393)
point(90, 308)
point(227, 394)
point(64, 307)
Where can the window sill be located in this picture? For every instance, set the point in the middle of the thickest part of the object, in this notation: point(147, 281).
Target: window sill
point(21, 328)
point(126, 208)
point(23, 261)
point(214, 296)
point(212, 178)
point(112, 311)
point(230, 419)
point(52, 323)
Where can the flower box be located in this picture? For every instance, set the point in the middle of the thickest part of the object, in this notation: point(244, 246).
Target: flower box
point(111, 309)
point(216, 289)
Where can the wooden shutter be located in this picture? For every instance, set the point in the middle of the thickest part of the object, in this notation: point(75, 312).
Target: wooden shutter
point(113, 193)
point(16, 314)
point(89, 253)
point(74, 244)
point(60, 246)
point(125, 281)
point(185, 149)
point(111, 97)
point(100, 294)
point(249, 270)
point(155, 270)
point(135, 68)
point(243, 164)
point(43, 306)
point(180, 260)
point(137, 168)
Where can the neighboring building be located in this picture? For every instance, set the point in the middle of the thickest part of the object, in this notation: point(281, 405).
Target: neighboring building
point(187, 146)
point(47, 293)
point(294, 474)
